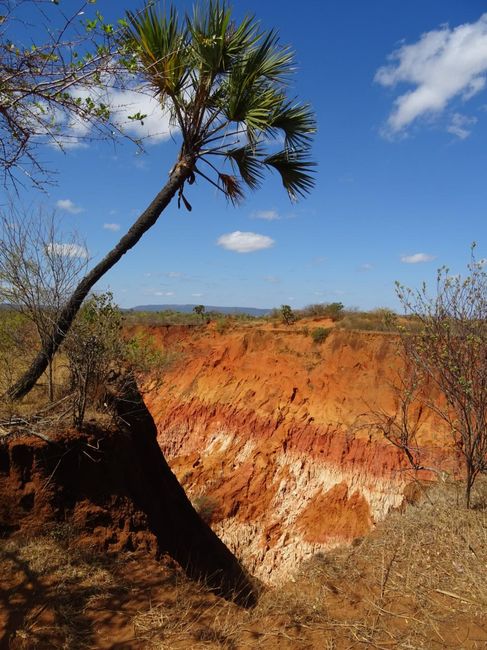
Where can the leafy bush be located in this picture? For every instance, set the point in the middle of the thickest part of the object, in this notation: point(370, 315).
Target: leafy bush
point(319, 334)
point(92, 344)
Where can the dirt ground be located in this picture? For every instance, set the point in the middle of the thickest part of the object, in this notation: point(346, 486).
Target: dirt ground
point(418, 581)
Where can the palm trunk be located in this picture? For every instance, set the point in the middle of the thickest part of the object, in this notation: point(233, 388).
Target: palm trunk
point(146, 220)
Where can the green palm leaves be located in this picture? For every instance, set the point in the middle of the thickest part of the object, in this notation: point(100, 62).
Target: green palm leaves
point(226, 86)
point(160, 47)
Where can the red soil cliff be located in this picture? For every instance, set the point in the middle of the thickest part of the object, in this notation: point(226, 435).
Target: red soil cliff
point(261, 425)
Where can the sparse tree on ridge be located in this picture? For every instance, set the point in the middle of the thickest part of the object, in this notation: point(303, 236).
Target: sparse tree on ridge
point(287, 314)
point(226, 87)
point(199, 310)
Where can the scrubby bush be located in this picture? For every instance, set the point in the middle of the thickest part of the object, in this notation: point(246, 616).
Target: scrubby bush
point(93, 343)
point(222, 324)
point(381, 319)
point(319, 334)
point(166, 317)
point(332, 310)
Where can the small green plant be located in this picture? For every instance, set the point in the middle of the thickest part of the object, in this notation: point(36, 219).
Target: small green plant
point(319, 334)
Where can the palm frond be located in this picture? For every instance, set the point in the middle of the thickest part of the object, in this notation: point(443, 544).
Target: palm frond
point(161, 47)
point(251, 103)
point(295, 171)
point(208, 27)
point(247, 160)
point(216, 41)
point(266, 60)
point(297, 122)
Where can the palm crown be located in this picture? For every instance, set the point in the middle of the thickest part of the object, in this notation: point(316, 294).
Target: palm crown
point(226, 87)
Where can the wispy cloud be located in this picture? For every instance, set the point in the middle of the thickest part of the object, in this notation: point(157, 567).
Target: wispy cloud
point(317, 261)
point(443, 64)
point(267, 215)
point(163, 293)
point(67, 250)
point(417, 258)
point(366, 267)
point(244, 242)
point(273, 279)
point(460, 125)
point(68, 206)
point(111, 226)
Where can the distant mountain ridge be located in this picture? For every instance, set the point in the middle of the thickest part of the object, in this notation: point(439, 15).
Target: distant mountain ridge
point(251, 311)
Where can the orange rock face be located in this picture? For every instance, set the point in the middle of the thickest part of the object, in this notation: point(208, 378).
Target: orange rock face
point(269, 428)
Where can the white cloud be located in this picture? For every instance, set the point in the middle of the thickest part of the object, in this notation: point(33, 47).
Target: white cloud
point(443, 64)
point(68, 206)
point(197, 295)
point(67, 250)
point(164, 293)
point(460, 124)
point(273, 279)
point(155, 126)
point(244, 242)
point(267, 215)
point(74, 132)
point(111, 226)
point(366, 267)
point(175, 274)
point(417, 258)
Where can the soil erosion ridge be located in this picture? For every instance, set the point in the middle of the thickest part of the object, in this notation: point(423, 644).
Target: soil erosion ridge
point(264, 429)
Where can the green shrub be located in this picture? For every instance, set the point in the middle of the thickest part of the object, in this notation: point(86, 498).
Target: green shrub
point(222, 324)
point(319, 334)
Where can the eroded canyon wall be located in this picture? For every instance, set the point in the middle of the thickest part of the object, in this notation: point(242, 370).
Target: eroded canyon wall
point(265, 430)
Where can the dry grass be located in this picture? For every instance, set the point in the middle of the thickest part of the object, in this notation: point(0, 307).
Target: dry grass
point(418, 581)
point(46, 588)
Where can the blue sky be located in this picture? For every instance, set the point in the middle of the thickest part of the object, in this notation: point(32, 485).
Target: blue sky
point(398, 90)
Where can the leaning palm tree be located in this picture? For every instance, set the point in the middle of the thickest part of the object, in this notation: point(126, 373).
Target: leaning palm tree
point(226, 87)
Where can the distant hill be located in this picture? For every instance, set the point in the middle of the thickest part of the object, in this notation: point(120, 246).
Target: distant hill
point(251, 311)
